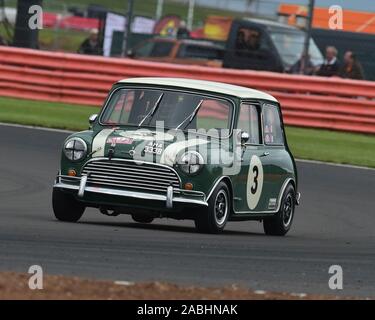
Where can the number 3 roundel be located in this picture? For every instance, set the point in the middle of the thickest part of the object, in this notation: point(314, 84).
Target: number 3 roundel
point(254, 182)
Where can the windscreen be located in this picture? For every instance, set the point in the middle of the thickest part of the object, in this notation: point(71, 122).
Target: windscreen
point(144, 107)
point(290, 45)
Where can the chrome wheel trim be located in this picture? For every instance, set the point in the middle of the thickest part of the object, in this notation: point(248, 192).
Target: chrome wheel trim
point(221, 207)
point(288, 210)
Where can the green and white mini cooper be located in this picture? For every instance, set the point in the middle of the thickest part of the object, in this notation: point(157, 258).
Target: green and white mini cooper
point(183, 149)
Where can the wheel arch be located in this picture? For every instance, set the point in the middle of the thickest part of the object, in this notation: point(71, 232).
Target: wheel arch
point(293, 183)
point(228, 182)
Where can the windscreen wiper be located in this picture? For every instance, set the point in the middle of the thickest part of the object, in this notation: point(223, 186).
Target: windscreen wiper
point(152, 111)
point(191, 116)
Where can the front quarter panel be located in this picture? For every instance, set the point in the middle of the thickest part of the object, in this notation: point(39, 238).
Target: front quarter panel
point(67, 164)
point(217, 163)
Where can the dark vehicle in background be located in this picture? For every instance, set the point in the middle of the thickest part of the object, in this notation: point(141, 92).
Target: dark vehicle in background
point(362, 44)
point(180, 51)
point(255, 44)
point(260, 44)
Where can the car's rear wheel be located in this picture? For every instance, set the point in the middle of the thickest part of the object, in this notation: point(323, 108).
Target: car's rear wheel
point(214, 218)
point(66, 207)
point(280, 224)
point(142, 218)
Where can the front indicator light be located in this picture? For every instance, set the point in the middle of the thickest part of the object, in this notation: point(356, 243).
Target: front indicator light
point(188, 186)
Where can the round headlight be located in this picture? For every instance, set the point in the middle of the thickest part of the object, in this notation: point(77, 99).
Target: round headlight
point(191, 162)
point(75, 149)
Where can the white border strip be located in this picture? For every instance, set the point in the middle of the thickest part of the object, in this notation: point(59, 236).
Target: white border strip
point(350, 166)
point(34, 127)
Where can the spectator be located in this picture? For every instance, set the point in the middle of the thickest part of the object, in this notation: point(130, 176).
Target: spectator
point(253, 40)
point(299, 66)
point(351, 69)
point(183, 32)
point(330, 66)
point(240, 41)
point(91, 44)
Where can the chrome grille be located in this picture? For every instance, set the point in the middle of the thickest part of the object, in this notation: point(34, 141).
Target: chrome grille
point(127, 174)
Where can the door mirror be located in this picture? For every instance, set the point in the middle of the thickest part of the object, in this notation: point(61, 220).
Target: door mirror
point(92, 119)
point(244, 137)
point(130, 53)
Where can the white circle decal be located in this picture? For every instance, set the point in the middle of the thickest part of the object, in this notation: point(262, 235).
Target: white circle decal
point(254, 182)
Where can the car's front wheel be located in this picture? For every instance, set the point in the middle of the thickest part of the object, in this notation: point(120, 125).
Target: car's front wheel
point(66, 207)
point(214, 218)
point(280, 224)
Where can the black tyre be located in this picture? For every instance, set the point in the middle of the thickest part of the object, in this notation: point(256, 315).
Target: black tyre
point(214, 218)
point(66, 207)
point(142, 219)
point(280, 224)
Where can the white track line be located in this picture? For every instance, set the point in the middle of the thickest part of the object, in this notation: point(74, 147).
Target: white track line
point(34, 127)
point(349, 166)
point(299, 160)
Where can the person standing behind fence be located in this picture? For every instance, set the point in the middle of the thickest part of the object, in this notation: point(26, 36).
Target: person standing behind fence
point(299, 66)
point(330, 66)
point(91, 44)
point(182, 31)
point(351, 69)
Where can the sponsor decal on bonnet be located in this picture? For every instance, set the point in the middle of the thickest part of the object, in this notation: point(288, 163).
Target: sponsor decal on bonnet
point(99, 142)
point(147, 135)
point(119, 140)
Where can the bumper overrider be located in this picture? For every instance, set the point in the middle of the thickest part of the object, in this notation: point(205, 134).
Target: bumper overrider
point(174, 198)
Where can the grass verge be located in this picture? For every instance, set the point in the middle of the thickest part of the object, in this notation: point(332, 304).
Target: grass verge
point(332, 146)
point(322, 145)
point(45, 114)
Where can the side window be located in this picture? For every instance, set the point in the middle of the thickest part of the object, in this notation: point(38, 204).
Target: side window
point(199, 52)
point(250, 42)
point(162, 49)
point(273, 133)
point(249, 121)
point(144, 50)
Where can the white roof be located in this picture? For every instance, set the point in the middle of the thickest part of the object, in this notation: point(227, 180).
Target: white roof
point(211, 86)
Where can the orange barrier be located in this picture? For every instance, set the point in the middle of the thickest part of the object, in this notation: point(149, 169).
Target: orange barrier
point(333, 103)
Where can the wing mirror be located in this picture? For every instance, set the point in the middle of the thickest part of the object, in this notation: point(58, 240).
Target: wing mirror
point(92, 119)
point(244, 137)
point(130, 53)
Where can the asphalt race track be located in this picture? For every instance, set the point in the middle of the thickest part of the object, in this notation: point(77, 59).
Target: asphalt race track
point(335, 224)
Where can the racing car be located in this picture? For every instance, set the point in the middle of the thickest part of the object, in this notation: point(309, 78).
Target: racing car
point(182, 149)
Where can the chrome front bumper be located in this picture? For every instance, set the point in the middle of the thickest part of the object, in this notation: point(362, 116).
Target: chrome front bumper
point(187, 197)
